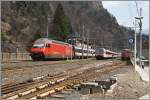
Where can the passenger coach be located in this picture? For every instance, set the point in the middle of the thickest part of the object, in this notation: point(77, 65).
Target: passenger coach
point(101, 53)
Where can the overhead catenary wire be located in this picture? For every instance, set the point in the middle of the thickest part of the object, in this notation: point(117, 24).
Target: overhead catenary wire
point(137, 8)
point(131, 13)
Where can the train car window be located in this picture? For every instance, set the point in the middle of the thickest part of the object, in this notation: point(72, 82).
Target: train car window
point(85, 51)
point(77, 50)
point(101, 50)
point(80, 50)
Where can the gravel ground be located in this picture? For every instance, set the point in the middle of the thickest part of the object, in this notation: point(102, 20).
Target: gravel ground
point(21, 71)
point(130, 86)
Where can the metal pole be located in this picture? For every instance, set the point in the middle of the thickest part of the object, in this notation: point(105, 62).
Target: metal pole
point(140, 25)
point(47, 29)
point(87, 43)
point(71, 49)
point(140, 29)
point(135, 46)
point(82, 41)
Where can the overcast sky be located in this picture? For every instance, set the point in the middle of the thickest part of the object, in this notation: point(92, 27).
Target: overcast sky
point(125, 11)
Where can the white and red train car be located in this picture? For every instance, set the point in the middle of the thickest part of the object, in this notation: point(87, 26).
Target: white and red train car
point(101, 53)
point(86, 52)
point(48, 48)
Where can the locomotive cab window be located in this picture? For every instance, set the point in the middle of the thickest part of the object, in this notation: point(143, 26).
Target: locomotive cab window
point(38, 45)
point(48, 45)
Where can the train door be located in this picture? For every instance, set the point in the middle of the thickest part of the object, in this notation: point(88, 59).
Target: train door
point(73, 51)
point(67, 51)
point(54, 50)
point(47, 49)
point(63, 51)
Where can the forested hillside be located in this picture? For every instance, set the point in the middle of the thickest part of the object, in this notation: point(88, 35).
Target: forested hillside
point(24, 21)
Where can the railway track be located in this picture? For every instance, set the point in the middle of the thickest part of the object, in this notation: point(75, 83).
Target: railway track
point(8, 88)
point(17, 84)
point(22, 65)
point(47, 85)
point(10, 76)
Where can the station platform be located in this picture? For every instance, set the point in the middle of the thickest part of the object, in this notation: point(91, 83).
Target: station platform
point(144, 74)
point(145, 97)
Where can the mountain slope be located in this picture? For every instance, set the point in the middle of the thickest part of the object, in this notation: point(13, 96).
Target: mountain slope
point(23, 22)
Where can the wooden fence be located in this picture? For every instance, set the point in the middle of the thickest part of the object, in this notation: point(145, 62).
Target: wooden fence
point(15, 56)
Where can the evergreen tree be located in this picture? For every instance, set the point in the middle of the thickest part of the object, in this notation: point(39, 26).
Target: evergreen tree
point(61, 24)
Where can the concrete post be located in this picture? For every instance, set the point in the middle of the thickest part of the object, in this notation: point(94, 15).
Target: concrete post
point(135, 46)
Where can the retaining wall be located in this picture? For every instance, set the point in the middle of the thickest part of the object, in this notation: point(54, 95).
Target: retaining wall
point(15, 56)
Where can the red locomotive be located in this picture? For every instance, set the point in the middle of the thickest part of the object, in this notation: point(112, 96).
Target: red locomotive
point(126, 54)
point(48, 48)
point(101, 53)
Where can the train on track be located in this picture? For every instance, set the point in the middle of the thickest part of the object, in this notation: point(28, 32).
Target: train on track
point(126, 54)
point(47, 48)
point(102, 53)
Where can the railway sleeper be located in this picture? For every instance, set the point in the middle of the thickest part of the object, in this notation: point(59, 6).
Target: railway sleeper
point(13, 97)
point(44, 94)
point(26, 92)
point(37, 89)
point(42, 86)
point(54, 82)
point(38, 78)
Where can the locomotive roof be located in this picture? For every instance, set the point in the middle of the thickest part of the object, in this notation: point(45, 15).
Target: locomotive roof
point(50, 40)
point(100, 48)
point(41, 40)
point(126, 50)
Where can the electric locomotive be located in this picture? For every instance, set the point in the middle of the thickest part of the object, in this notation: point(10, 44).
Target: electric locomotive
point(48, 48)
point(126, 54)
